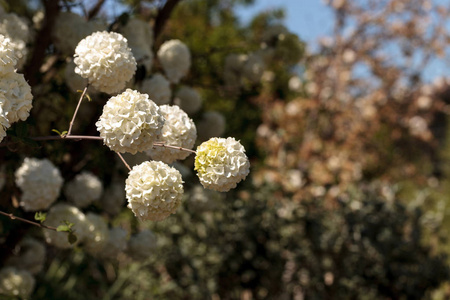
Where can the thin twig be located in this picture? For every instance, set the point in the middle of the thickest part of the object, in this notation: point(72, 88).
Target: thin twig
point(13, 217)
point(123, 160)
point(76, 110)
point(66, 137)
point(160, 144)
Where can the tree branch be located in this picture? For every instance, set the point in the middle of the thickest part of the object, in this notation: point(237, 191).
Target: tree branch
point(42, 41)
point(163, 15)
point(94, 10)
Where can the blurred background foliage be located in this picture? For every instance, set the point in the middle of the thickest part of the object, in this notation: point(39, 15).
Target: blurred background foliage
point(349, 188)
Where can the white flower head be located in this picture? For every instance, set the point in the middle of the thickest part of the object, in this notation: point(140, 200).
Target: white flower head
point(158, 89)
point(179, 130)
point(138, 32)
point(221, 163)
point(175, 59)
point(143, 56)
point(15, 27)
point(16, 283)
point(212, 124)
point(84, 189)
point(116, 243)
point(29, 255)
point(40, 182)
point(295, 84)
point(130, 122)
point(15, 96)
point(105, 59)
point(4, 124)
point(70, 29)
point(188, 99)
point(114, 197)
point(154, 190)
point(7, 55)
point(254, 68)
point(142, 245)
point(97, 234)
point(58, 215)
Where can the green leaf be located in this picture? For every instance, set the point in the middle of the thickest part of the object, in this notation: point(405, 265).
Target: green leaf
point(64, 228)
point(88, 97)
point(40, 216)
point(64, 133)
point(72, 238)
point(57, 131)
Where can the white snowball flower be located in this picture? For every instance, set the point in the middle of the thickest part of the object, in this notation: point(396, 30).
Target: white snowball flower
point(142, 245)
point(4, 123)
point(114, 197)
point(179, 130)
point(158, 89)
point(84, 189)
point(15, 27)
point(188, 99)
point(16, 283)
point(221, 163)
point(154, 190)
point(70, 29)
point(143, 56)
point(7, 55)
point(212, 124)
point(40, 182)
point(130, 122)
point(295, 84)
point(254, 68)
point(116, 243)
point(175, 59)
point(97, 234)
point(234, 65)
point(15, 96)
point(105, 60)
point(29, 255)
point(74, 81)
point(56, 216)
point(138, 32)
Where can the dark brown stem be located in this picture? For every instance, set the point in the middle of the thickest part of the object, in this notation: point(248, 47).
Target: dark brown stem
point(43, 39)
point(13, 217)
point(162, 17)
point(66, 137)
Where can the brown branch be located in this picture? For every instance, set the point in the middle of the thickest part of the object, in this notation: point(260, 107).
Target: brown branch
point(66, 137)
point(94, 10)
point(124, 161)
point(76, 110)
point(160, 144)
point(162, 17)
point(13, 217)
point(43, 39)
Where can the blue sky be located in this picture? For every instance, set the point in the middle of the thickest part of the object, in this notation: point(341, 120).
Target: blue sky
point(311, 19)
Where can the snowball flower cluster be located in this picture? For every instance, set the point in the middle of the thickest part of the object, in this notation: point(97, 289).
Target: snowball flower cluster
point(140, 39)
point(105, 59)
point(70, 29)
point(158, 89)
point(30, 256)
point(7, 56)
point(115, 244)
point(188, 99)
point(212, 124)
point(15, 96)
point(40, 182)
point(97, 234)
point(16, 28)
point(84, 189)
point(179, 130)
point(221, 163)
point(142, 245)
point(175, 59)
point(154, 190)
point(16, 283)
point(56, 216)
point(130, 122)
